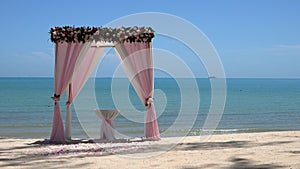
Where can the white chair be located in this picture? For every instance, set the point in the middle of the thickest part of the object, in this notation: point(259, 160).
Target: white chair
point(107, 126)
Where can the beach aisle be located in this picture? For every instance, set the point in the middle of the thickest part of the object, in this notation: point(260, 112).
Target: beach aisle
point(266, 150)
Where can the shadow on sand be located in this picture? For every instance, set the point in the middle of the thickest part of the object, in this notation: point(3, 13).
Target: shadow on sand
point(25, 160)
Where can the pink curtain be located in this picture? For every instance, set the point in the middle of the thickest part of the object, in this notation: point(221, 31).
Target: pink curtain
point(87, 62)
point(84, 70)
point(137, 60)
point(66, 55)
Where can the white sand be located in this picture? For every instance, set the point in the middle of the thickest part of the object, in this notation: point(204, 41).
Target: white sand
point(248, 150)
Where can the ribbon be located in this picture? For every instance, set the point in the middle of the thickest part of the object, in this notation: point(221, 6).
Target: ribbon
point(56, 98)
point(68, 103)
point(149, 101)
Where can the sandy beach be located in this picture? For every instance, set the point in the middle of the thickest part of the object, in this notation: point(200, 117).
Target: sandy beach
point(246, 150)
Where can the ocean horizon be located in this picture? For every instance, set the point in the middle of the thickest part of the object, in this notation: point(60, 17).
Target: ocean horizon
point(252, 105)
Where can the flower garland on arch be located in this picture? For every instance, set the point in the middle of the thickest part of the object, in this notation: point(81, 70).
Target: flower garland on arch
point(106, 34)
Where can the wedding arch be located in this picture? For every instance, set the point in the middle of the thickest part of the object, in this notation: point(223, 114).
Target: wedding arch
point(77, 52)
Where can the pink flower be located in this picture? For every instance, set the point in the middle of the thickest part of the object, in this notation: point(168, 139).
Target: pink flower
point(150, 100)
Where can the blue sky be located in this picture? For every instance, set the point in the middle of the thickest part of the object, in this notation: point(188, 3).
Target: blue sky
point(254, 38)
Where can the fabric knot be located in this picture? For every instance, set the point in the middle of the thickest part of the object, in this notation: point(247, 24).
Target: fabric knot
point(56, 98)
point(68, 103)
point(108, 121)
point(149, 101)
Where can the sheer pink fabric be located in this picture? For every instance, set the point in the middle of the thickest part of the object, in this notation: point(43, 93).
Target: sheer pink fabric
point(66, 55)
point(88, 61)
point(137, 60)
point(57, 134)
point(83, 72)
point(107, 126)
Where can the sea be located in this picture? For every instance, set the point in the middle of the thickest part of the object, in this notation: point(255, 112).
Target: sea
point(183, 106)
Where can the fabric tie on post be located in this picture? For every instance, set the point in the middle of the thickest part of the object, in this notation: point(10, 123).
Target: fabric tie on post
point(149, 101)
point(55, 98)
point(68, 103)
point(108, 121)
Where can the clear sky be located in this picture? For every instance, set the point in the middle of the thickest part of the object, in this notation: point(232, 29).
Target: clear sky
point(254, 38)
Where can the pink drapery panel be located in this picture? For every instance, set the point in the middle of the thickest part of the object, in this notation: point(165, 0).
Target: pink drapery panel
point(137, 60)
point(84, 70)
point(66, 55)
point(87, 61)
point(57, 134)
point(151, 128)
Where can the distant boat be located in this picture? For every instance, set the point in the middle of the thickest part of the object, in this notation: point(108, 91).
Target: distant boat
point(211, 77)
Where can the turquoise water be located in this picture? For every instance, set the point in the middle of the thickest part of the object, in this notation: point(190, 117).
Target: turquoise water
point(252, 105)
